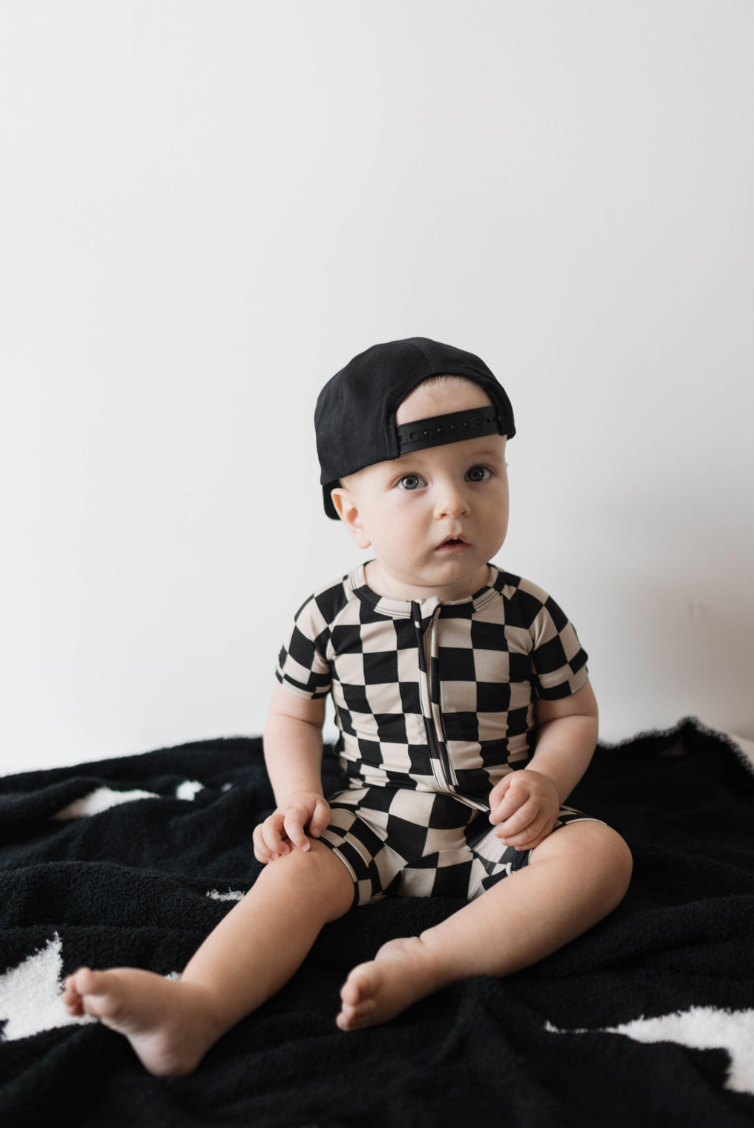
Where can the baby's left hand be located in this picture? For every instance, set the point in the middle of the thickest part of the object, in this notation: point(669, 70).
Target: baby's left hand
point(525, 804)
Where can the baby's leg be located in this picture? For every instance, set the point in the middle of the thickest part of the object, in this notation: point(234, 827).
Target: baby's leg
point(251, 954)
point(578, 875)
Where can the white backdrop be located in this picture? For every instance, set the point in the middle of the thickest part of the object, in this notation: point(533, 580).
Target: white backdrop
point(208, 208)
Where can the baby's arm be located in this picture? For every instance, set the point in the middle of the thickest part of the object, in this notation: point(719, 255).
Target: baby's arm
point(528, 801)
point(293, 755)
point(566, 738)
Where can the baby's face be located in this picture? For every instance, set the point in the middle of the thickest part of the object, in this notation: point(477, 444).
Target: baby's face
point(407, 508)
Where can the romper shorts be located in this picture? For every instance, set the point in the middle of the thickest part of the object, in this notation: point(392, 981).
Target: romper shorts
point(399, 842)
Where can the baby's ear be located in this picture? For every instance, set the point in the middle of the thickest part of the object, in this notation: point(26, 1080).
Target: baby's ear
point(345, 503)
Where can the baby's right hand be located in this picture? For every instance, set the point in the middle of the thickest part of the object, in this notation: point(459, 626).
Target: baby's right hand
point(285, 826)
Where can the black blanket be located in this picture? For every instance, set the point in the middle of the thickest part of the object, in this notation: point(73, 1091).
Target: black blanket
point(648, 1019)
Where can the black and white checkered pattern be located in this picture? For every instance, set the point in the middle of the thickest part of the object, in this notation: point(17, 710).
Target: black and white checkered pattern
point(435, 704)
point(428, 695)
point(396, 842)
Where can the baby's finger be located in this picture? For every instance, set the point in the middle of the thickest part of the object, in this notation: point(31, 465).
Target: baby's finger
point(514, 798)
point(529, 837)
point(515, 819)
point(320, 818)
point(272, 837)
point(518, 822)
point(518, 841)
point(500, 790)
point(261, 851)
point(294, 827)
point(528, 843)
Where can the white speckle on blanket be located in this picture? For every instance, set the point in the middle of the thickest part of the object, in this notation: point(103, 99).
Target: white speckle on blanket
point(699, 1028)
point(101, 799)
point(188, 789)
point(231, 895)
point(30, 995)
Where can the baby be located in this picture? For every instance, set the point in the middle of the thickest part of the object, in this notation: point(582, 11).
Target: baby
point(466, 718)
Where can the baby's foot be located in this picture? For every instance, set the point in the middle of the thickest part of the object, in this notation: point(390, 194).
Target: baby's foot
point(402, 972)
point(168, 1023)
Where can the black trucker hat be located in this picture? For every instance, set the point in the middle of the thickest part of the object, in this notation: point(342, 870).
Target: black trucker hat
point(355, 413)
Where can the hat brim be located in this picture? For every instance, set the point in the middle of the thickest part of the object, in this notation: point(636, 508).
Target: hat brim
point(330, 509)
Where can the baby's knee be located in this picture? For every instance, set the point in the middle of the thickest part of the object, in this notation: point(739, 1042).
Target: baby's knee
point(595, 852)
point(609, 853)
point(317, 875)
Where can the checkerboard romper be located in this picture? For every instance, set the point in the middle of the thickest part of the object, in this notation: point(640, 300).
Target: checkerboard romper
point(435, 704)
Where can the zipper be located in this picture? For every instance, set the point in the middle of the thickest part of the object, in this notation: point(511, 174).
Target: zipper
point(442, 769)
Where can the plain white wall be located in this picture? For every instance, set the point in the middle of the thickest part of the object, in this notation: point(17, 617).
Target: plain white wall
point(207, 209)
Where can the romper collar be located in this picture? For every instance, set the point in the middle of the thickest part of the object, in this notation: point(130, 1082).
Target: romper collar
point(402, 609)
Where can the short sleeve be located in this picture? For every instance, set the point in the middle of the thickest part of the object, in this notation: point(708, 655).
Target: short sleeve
point(302, 667)
point(558, 658)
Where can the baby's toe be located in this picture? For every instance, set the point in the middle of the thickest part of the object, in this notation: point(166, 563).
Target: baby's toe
point(361, 1010)
point(360, 985)
point(357, 999)
point(353, 1018)
point(73, 1003)
point(350, 993)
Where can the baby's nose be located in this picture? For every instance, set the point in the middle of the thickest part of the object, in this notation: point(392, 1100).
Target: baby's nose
point(451, 502)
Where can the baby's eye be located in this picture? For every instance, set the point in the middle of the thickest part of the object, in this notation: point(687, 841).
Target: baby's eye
point(478, 474)
point(411, 482)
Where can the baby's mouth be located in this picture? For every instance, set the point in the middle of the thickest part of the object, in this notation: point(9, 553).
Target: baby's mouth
point(453, 543)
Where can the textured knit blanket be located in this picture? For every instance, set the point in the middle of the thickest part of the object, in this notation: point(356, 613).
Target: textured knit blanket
point(647, 1019)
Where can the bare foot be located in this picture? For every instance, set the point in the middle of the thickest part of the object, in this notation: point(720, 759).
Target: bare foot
point(402, 972)
point(168, 1023)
